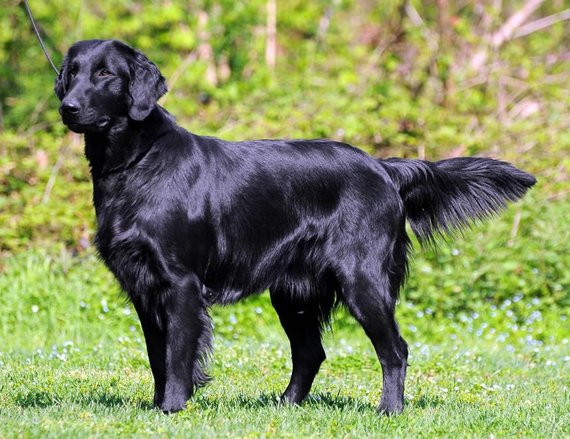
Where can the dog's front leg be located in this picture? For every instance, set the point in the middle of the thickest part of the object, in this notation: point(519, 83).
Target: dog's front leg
point(178, 337)
point(155, 337)
point(188, 339)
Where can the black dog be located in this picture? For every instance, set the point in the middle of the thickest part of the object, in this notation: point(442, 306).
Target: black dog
point(185, 221)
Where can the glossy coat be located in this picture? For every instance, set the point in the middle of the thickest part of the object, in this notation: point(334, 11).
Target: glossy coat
point(186, 221)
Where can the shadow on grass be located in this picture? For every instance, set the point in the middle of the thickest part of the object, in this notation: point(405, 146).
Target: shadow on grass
point(44, 399)
point(269, 400)
point(426, 402)
point(39, 398)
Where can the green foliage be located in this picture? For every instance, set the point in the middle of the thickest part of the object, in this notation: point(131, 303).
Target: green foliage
point(348, 70)
point(73, 364)
point(464, 392)
point(33, 214)
point(521, 254)
point(485, 313)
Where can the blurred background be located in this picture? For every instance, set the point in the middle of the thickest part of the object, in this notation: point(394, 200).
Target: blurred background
point(486, 313)
point(417, 79)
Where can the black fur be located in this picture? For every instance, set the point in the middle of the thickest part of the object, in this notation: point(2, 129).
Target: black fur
point(448, 194)
point(185, 221)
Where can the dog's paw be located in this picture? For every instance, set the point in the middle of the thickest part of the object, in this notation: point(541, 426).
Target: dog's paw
point(173, 403)
point(291, 398)
point(389, 408)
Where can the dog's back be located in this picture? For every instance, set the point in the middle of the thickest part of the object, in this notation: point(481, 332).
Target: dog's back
point(185, 221)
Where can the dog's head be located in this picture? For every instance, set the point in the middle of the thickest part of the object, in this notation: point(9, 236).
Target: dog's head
point(103, 81)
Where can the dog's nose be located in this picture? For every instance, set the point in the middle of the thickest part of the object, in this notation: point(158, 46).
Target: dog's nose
point(70, 107)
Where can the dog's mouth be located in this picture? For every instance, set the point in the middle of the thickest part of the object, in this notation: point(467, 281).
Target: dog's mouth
point(103, 122)
point(82, 127)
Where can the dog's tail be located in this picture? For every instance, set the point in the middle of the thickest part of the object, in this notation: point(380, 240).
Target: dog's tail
point(446, 195)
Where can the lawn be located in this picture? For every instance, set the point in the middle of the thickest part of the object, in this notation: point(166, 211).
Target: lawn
point(73, 361)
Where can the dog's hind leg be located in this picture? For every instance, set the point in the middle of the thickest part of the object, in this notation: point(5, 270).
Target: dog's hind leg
point(302, 324)
point(370, 295)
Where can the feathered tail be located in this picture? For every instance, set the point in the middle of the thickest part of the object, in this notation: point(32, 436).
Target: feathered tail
point(449, 194)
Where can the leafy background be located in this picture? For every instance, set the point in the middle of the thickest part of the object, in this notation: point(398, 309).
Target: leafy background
point(396, 79)
point(407, 78)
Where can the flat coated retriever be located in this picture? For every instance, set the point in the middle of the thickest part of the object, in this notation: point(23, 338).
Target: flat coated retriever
point(185, 221)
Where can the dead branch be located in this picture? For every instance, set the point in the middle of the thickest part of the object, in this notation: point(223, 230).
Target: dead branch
point(205, 51)
point(515, 228)
point(187, 62)
point(271, 34)
point(542, 23)
point(62, 154)
point(505, 32)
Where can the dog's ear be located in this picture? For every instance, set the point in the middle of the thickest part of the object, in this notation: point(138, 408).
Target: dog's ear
point(60, 87)
point(146, 86)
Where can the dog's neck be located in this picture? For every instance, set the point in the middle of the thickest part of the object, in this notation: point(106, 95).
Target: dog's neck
point(122, 146)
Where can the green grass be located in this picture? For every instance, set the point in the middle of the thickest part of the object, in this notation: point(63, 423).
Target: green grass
point(73, 364)
point(486, 316)
point(453, 390)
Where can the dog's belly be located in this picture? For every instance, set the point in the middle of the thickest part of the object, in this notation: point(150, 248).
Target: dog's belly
point(299, 280)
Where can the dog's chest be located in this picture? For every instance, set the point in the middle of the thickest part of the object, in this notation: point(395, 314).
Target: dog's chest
point(126, 246)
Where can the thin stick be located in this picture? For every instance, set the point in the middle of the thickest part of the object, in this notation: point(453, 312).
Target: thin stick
point(542, 23)
point(505, 32)
point(57, 166)
point(271, 35)
point(515, 228)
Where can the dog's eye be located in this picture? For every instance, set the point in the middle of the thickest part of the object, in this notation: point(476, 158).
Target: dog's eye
point(104, 72)
point(73, 72)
